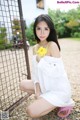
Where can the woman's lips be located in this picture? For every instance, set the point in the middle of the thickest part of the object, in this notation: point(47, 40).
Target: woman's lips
point(42, 36)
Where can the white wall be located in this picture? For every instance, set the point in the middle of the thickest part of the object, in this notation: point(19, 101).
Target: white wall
point(30, 11)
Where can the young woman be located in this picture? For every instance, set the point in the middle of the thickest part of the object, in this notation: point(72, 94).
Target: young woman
point(49, 80)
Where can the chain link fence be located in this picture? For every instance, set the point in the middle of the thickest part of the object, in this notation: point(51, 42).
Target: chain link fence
point(14, 64)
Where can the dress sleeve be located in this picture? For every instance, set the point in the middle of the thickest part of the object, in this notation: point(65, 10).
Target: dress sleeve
point(34, 70)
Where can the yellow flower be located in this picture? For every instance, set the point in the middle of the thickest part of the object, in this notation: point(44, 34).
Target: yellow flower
point(42, 51)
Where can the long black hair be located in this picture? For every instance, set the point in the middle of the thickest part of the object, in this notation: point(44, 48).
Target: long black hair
point(52, 36)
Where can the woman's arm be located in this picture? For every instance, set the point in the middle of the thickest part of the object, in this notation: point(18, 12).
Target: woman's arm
point(37, 86)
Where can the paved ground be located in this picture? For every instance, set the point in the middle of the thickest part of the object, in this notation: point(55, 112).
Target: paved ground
point(70, 51)
point(71, 58)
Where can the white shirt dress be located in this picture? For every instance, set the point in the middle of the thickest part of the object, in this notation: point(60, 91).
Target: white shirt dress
point(49, 72)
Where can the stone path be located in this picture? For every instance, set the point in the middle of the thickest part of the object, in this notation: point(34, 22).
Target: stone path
point(71, 57)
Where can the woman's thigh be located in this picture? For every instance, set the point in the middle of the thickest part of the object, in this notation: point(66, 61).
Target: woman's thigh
point(39, 108)
point(26, 85)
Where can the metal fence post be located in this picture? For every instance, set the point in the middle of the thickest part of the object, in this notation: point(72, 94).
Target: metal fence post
point(24, 39)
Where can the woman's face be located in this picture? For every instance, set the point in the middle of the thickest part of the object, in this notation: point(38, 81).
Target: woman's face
point(42, 30)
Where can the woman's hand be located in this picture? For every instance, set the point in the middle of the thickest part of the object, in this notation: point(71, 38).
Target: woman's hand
point(37, 94)
point(37, 90)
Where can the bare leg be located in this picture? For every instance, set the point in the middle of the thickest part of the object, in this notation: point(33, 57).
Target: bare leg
point(27, 86)
point(39, 107)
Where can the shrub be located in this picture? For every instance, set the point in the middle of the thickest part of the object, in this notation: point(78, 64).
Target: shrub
point(32, 42)
point(76, 34)
point(2, 47)
point(5, 46)
point(30, 35)
point(2, 41)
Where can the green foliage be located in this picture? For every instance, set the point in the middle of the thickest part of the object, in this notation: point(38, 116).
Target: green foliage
point(60, 31)
point(16, 28)
point(3, 35)
point(5, 46)
point(30, 35)
point(2, 47)
point(67, 24)
point(72, 23)
point(2, 41)
point(32, 42)
point(76, 35)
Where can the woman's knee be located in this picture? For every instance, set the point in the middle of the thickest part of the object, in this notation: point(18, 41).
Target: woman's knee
point(27, 86)
point(21, 85)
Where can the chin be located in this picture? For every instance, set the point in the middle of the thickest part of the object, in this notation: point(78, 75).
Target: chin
point(42, 39)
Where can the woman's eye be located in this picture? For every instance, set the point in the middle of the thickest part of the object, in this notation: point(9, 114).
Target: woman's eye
point(38, 28)
point(46, 28)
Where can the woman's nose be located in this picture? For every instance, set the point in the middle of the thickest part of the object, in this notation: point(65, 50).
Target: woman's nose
point(42, 31)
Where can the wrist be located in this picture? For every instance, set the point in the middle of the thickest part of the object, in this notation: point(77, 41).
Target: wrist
point(37, 88)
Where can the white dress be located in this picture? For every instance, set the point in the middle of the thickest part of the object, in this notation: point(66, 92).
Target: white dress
point(51, 76)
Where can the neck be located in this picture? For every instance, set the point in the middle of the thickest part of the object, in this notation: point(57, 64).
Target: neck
point(43, 43)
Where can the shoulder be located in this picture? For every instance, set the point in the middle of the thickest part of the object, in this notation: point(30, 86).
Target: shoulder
point(52, 44)
point(54, 50)
point(34, 49)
